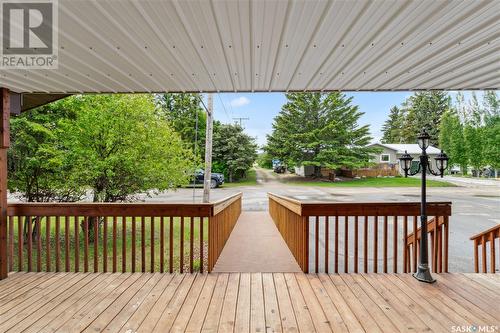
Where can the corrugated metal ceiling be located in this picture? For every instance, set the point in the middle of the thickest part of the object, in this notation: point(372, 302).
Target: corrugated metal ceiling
point(153, 46)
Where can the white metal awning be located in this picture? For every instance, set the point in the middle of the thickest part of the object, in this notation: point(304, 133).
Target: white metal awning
point(270, 45)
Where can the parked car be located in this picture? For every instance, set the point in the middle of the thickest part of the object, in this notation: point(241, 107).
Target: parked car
point(279, 169)
point(216, 179)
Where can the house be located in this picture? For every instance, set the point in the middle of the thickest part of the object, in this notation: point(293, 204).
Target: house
point(391, 152)
point(304, 170)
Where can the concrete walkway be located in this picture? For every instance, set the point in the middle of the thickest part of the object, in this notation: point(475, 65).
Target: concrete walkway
point(255, 245)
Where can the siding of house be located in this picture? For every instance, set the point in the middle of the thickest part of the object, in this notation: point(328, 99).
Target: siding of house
point(394, 157)
point(304, 171)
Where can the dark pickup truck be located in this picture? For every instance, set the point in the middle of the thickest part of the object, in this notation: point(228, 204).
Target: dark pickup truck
point(216, 180)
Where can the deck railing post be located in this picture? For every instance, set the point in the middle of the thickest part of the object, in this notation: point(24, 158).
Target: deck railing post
point(4, 146)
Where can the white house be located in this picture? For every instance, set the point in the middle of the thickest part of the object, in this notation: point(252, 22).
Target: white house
point(304, 170)
point(391, 152)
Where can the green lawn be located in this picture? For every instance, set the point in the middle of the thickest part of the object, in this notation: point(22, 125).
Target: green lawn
point(148, 223)
point(374, 182)
point(250, 180)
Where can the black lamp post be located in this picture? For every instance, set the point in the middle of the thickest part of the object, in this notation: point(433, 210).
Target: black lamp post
point(423, 273)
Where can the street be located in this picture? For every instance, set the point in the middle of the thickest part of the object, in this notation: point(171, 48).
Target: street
point(475, 204)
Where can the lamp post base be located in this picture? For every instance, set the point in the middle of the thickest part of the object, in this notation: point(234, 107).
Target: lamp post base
point(423, 274)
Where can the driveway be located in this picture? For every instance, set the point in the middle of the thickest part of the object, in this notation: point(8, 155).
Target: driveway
point(475, 207)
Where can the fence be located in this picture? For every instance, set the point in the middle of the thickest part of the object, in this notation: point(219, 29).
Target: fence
point(103, 237)
point(486, 239)
point(438, 239)
point(355, 237)
point(383, 170)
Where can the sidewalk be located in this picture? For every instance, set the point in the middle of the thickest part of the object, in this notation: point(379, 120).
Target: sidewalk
point(469, 182)
point(255, 245)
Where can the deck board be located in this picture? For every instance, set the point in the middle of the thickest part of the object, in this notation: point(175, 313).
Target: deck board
point(245, 302)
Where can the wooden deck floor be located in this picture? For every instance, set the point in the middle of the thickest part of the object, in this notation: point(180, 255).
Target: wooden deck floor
point(243, 302)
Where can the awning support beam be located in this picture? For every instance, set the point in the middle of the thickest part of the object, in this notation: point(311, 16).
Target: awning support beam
point(4, 146)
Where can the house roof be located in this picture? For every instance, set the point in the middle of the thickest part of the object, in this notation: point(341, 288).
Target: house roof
point(269, 45)
point(411, 148)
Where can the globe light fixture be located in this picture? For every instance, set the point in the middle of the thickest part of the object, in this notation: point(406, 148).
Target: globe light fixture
point(423, 272)
point(405, 162)
point(423, 139)
point(441, 163)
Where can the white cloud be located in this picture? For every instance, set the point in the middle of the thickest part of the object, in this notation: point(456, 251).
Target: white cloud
point(240, 101)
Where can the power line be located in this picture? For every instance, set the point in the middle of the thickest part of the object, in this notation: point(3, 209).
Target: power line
point(231, 110)
point(203, 103)
point(223, 106)
point(240, 120)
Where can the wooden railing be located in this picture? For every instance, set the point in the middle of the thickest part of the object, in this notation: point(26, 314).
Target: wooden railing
point(350, 236)
point(293, 227)
point(225, 215)
point(438, 238)
point(486, 239)
point(113, 237)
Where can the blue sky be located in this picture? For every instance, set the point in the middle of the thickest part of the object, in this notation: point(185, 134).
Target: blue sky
point(261, 108)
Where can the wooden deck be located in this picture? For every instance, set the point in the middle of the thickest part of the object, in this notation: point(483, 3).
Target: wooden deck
point(243, 302)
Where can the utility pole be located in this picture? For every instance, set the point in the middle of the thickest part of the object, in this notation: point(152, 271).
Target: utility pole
point(240, 120)
point(207, 176)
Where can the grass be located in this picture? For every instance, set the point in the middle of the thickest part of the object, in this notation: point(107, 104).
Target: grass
point(374, 182)
point(156, 222)
point(250, 180)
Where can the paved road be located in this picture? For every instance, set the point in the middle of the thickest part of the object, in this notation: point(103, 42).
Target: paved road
point(475, 207)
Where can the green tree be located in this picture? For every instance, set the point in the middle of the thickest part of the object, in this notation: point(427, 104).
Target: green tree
point(491, 105)
point(392, 127)
point(492, 143)
point(119, 147)
point(187, 117)
point(320, 129)
point(451, 140)
point(36, 160)
point(474, 145)
point(461, 107)
point(424, 110)
point(278, 146)
point(234, 152)
point(265, 160)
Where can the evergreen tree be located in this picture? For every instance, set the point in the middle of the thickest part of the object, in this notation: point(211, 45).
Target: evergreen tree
point(320, 129)
point(392, 127)
point(424, 110)
point(234, 152)
point(408, 127)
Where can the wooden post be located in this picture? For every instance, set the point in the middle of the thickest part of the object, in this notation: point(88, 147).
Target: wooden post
point(4, 145)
